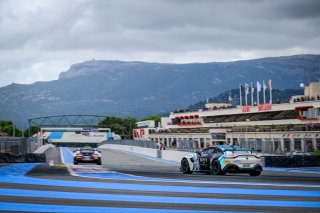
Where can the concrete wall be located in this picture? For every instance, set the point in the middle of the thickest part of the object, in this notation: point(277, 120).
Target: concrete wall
point(173, 155)
point(43, 148)
point(170, 155)
point(135, 149)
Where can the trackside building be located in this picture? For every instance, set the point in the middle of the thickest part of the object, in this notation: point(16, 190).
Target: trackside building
point(271, 128)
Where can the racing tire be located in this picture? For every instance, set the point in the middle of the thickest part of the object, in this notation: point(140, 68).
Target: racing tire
point(254, 173)
point(99, 162)
point(75, 162)
point(185, 168)
point(222, 172)
point(216, 168)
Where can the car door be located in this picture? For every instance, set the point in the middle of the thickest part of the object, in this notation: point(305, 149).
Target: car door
point(205, 157)
point(216, 153)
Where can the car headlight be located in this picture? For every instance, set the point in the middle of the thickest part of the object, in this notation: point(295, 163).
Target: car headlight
point(227, 161)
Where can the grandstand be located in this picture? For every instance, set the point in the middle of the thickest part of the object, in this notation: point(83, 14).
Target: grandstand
point(271, 128)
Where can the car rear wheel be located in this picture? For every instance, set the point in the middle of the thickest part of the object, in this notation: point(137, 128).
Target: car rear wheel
point(99, 162)
point(254, 173)
point(185, 168)
point(216, 168)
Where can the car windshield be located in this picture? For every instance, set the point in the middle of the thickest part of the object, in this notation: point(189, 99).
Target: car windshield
point(86, 149)
point(233, 148)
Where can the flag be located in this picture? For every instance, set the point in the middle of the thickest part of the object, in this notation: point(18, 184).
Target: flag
point(246, 86)
point(270, 83)
point(264, 86)
point(258, 86)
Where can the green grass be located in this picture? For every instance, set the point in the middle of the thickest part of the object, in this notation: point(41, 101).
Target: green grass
point(317, 152)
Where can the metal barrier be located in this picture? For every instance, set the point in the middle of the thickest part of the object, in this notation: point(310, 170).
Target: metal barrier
point(22, 158)
point(140, 143)
point(292, 161)
point(17, 145)
point(187, 146)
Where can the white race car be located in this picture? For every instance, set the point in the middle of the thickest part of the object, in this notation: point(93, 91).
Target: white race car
point(223, 159)
point(87, 155)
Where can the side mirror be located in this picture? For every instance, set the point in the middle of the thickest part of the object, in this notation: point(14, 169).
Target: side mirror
point(198, 152)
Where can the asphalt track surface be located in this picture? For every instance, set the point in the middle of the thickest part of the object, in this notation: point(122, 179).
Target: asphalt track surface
point(135, 183)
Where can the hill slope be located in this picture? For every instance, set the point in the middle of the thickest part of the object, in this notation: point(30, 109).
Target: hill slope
point(141, 89)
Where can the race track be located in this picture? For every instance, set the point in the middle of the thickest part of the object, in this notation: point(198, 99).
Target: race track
point(135, 183)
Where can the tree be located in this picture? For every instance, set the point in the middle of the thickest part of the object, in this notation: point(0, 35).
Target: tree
point(120, 126)
point(33, 130)
point(9, 130)
point(5, 123)
point(129, 124)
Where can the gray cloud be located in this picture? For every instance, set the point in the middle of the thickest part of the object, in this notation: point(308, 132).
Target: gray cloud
point(40, 38)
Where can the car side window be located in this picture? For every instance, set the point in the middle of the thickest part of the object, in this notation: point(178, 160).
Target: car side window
point(204, 152)
point(219, 151)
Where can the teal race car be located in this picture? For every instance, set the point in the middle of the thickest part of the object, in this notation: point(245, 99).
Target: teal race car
point(223, 159)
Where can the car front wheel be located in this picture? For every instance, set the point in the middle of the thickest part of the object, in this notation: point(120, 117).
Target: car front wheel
point(185, 168)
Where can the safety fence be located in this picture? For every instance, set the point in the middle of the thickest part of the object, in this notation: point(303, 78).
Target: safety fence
point(187, 146)
point(22, 158)
point(292, 161)
point(17, 145)
point(140, 143)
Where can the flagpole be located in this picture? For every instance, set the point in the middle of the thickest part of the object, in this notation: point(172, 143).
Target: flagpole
point(264, 93)
point(245, 92)
point(246, 99)
point(240, 96)
point(270, 86)
point(258, 90)
point(251, 94)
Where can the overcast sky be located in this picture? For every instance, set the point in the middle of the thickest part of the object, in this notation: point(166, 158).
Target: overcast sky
point(41, 38)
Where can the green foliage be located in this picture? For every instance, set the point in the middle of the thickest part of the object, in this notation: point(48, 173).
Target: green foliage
point(7, 127)
point(121, 126)
point(34, 130)
point(5, 123)
point(317, 152)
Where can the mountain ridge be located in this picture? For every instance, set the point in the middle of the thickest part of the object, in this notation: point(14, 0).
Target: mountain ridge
point(145, 88)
